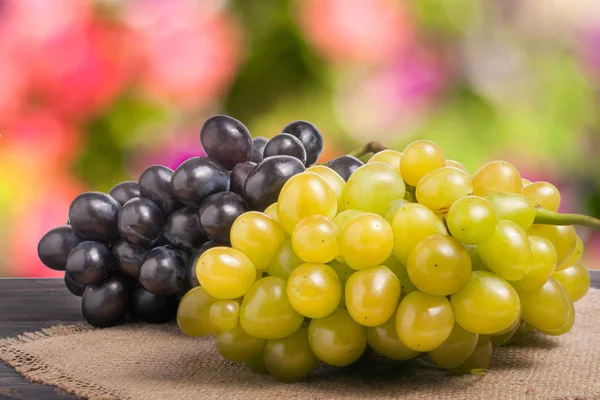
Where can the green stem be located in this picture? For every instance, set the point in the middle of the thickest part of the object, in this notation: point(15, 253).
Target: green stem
point(371, 147)
point(546, 217)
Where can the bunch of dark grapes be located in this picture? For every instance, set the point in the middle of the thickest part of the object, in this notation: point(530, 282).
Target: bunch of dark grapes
point(132, 252)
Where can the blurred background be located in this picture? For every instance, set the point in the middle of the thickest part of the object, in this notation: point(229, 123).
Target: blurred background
point(92, 92)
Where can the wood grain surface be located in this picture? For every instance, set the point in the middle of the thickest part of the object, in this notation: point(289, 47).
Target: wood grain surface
point(31, 304)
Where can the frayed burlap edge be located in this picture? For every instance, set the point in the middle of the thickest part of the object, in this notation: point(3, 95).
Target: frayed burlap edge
point(41, 372)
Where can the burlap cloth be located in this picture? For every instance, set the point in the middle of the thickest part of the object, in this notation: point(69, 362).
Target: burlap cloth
point(160, 363)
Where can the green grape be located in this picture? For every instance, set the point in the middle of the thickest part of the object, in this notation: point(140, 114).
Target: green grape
point(314, 290)
point(366, 241)
point(224, 314)
point(341, 220)
point(548, 308)
point(258, 236)
point(507, 252)
point(303, 195)
point(343, 272)
point(526, 182)
point(564, 239)
point(472, 219)
point(399, 270)
point(576, 280)
point(238, 345)
point(420, 158)
point(372, 187)
point(266, 311)
point(488, 304)
point(456, 164)
point(385, 341)
point(476, 263)
point(505, 336)
point(439, 265)
point(337, 339)
point(344, 217)
point(372, 295)
point(315, 239)
point(522, 330)
point(575, 257)
point(389, 157)
point(440, 188)
point(543, 263)
point(408, 196)
point(334, 180)
point(193, 313)
point(423, 321)
point(497, 177)
point(513, 207)
point(290, 359)
point(566, 327)
point(256, 364)
point(478, 361)
point(284, 261)
point(456, 349)
point(393, 207)
point(271, 211)
point(544, 195)
point(411, 224)
point(225, 273)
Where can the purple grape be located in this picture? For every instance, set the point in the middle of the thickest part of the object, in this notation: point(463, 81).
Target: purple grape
point(125, 191)
point(128, 258)
point(263, 185)
point(239, 173)
point(310, 137)
point(164, 271)
point(106, 304)
point(226, 140)
point(183, 229)
point(73, 286)
point(345, 166)
point(218, 212)
point(89, 263)
point(197, 178)
point(155, 184)
point(285, 144)
point(94, 215)
point(152, 308)
point(258, 147)
point(54, 247)
point(141, 222)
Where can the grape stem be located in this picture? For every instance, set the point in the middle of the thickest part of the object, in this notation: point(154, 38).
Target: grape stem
point(371, 147)
point(546, 217)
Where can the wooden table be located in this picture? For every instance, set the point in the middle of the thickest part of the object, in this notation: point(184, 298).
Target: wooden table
point(31, 304)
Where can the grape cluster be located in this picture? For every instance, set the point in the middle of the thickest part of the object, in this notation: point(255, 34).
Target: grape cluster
point(290, 263)
point(132, 252)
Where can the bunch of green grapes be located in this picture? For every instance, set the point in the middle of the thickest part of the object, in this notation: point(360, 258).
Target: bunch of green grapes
point(410, 255)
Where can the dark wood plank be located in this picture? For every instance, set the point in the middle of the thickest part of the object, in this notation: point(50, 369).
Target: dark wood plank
point(31, 304)
point(28, 305)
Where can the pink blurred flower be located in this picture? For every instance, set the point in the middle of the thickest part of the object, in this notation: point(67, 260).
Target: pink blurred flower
point(40, 139)
point(369, 31)
point(189, 49)
point(172, 150)
point(70, 61)
point(395, 97)
point(94, 74)
point(591, 49)
point(47, 210)
point(12, 87)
